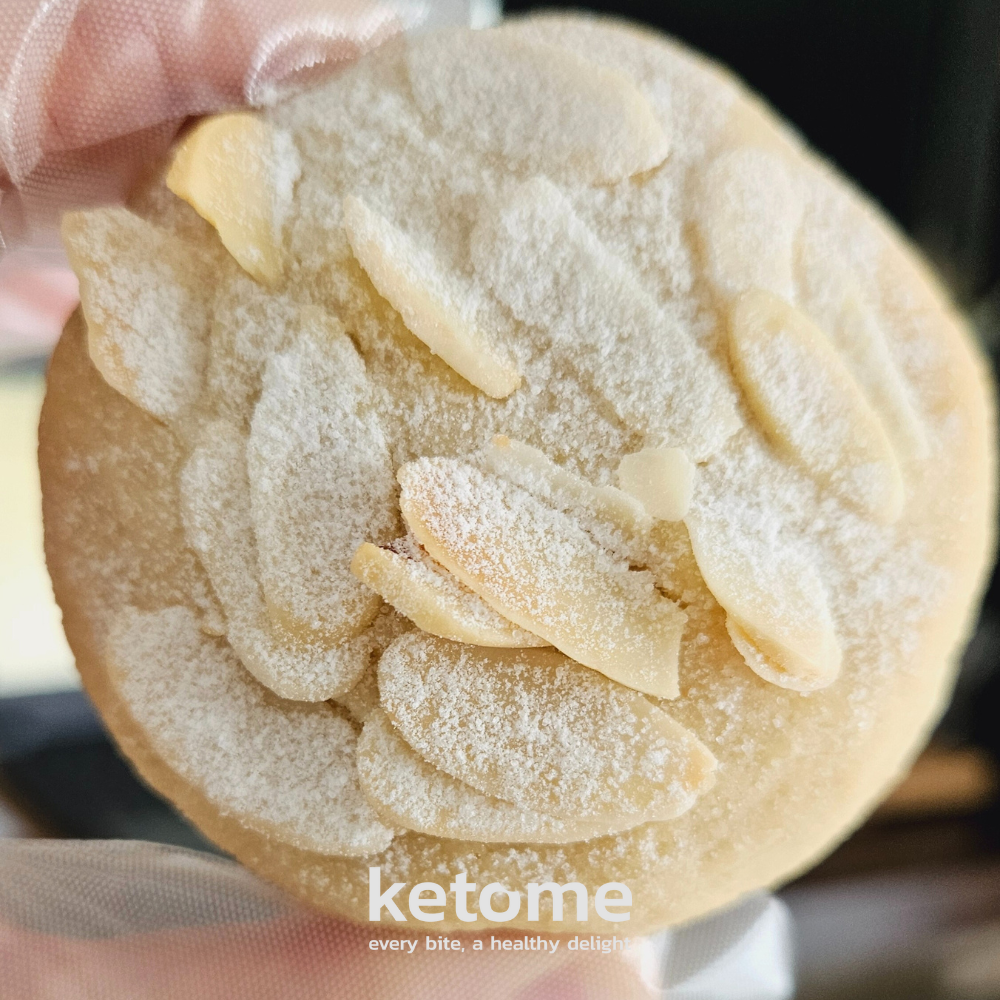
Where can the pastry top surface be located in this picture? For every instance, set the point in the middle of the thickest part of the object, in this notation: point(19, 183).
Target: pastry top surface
point(467, 278)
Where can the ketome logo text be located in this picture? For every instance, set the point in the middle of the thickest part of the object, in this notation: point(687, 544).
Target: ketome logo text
point(427, 901)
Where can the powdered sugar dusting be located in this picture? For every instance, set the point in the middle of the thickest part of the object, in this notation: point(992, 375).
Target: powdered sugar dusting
point(535, 729)
point(320, 483)
point(470, 606)
point(412, 793)
point(277, 767)
point(145, 298)
point(811, 406)
point(215, 496)
point(541, 570)
point(543, 263)
point(614, 310)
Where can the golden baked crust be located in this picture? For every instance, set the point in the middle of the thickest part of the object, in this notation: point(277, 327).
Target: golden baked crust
point(796, 771)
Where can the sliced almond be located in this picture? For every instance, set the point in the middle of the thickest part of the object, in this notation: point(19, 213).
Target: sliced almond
point(405, 791)
point(748, 209)
point(776, 605)
point(225, 168)
point(859, 338)
point(144, 296)
point(430, 304)
point(321, 482)
point(661, 479)
point(535, 729)
point(284, 769)
point(810, 405)
point(599, 322)
point(832, 296)
point(218, 520)
point(537, 107)
point(537, 473)
point(774, 670)
point(538, 568)
point(434, 600)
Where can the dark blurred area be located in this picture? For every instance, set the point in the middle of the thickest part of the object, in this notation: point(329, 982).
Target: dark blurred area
point(66, 779)
point(904, 96)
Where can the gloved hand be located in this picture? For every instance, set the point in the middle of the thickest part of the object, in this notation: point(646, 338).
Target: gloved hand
point(93, 91)
point(126, 920)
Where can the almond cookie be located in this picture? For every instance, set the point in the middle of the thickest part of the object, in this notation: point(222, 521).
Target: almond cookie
point(518, 456)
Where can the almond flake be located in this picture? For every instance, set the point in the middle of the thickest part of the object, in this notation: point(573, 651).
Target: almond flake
point(661, 479)
point(533, 728)
point(810, 406)
point(408, 792)
point(404, 576)
point(539, 107)
point(538, 568)
point(224, 168)
point(430, 304)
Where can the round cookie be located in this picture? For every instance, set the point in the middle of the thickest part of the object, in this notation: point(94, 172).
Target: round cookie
point(672, 466)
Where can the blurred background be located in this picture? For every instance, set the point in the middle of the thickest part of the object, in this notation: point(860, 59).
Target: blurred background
point(904, 95)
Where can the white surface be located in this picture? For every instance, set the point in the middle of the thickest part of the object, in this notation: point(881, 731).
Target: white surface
point(757, 966)
point(742, 953)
